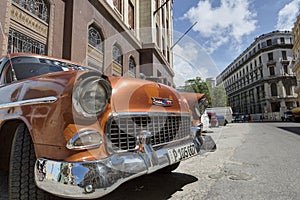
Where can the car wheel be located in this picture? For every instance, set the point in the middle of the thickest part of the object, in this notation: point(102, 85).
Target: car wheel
point(169, 169)
point(21, 183)
point(226, 122)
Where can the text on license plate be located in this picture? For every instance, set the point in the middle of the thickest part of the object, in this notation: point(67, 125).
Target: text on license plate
point(180, 153)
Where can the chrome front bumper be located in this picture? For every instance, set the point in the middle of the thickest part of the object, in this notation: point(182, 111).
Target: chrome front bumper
point(93, 179)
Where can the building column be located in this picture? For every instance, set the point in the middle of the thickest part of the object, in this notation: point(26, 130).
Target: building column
point(283, 107)
point(4, 26)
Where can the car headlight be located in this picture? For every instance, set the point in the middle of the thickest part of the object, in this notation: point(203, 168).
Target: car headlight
point(197, 110)
point(91, 96)
point(202, 105)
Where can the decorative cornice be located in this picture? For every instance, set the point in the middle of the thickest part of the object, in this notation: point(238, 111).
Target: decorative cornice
point(94, 53)
point(29, 21)
point(117, 68)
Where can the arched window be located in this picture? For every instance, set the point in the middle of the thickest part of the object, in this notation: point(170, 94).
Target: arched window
point(40, 8)
point(95, 38)
point(288, 87)
point(274, 89)
point(132, 65)
point(117, 54)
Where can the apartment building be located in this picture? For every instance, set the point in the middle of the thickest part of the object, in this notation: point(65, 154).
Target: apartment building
point(296, 51)
point(118, 37)
point(260, 81)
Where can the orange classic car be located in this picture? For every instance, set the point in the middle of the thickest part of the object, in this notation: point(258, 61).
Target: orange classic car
point(68, 130)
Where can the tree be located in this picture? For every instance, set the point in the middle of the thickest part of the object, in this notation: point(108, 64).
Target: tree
point(197, 85)
point(216, 95)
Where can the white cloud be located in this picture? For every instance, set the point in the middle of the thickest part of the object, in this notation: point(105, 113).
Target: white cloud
point(287, 15)
point(191, 61)
point(228, 22)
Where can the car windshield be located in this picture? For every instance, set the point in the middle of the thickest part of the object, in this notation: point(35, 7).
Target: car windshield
point(26, 67)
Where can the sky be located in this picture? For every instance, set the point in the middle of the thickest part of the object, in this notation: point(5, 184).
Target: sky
point(221, 30)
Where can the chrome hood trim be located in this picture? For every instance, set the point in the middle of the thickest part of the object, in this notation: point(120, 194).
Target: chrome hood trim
point(42, 100)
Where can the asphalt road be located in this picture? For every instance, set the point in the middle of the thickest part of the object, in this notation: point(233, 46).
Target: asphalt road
point(253, 161)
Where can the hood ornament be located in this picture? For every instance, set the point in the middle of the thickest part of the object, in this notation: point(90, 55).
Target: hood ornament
point(165, 102)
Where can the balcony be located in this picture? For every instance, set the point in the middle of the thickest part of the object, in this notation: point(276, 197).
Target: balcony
point(284, 61)
point(271, 62)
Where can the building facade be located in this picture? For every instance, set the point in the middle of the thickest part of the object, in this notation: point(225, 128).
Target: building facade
point(260, 81)
point(296, 51)
point(118, 37)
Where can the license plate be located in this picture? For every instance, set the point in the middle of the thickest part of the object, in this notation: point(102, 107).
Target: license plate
point(180, 153)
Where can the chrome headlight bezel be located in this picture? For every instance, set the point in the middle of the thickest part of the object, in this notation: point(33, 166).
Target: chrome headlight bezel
point(87, 139)
point(201, 106)
point(91, 96)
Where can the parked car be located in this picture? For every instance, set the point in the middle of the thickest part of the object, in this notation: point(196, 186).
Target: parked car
point(238, 117)
point(296, 113)
point(288, 116)
point(222, 111)
point(198, 103)
point(68, 130)
point(221, 120)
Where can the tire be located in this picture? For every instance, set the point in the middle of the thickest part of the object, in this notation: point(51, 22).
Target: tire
point(169, 169)
point(226, 122)
point(21, 184)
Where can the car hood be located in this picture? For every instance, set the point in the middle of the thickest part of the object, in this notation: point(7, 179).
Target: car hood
point(136, 95)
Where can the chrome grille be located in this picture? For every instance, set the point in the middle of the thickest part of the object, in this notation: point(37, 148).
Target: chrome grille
point(123, 129)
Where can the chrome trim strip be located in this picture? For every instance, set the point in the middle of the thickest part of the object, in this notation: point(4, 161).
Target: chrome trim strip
point(116, 114)
point(43, 100)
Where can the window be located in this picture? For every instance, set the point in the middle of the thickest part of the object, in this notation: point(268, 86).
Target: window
point(95, 38)
point(259, 60)
point(156, 4)
point(288, 89)
point(284, 57)
point(130, 14)
point(285, 68)
point(273, 89)
point(18, 42)
point(261, 73)
point(270, 56)
point(163, 46)
point(132, 65)
point(275, 106)
point(269, 42)
point(117, 55)
point(282, 40)
point(157, 35)
point(7, 75)
point(272, 70)
point(167, 22)
point(37, 7)
point(118, 5)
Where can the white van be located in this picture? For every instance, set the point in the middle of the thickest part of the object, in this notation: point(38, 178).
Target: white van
point(224, 111)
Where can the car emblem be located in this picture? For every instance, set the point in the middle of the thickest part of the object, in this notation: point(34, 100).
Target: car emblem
point(162, 101)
